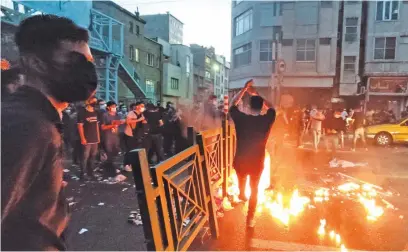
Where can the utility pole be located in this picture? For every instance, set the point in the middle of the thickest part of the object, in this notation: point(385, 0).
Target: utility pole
point(280, 68)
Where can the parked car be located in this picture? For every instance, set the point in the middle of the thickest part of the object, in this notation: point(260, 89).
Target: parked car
point(386, 134)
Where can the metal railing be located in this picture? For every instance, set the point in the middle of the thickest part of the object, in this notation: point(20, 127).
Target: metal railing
point(177, 197)
point(173, 199)
point(131, 71)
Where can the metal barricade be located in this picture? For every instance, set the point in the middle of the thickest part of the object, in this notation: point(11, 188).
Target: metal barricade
point(174, 199)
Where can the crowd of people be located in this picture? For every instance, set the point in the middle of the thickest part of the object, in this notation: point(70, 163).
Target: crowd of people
point(333, 126)
point(107, 131)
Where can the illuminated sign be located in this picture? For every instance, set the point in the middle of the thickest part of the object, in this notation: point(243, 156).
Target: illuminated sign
point(396, 85)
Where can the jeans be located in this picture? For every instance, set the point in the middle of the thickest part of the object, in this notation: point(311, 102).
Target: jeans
point(112, 150)
point(359, 133)
point(334, 140)
point(317, 134)
point(89, 152)
point(253, 182)
point(156, 147)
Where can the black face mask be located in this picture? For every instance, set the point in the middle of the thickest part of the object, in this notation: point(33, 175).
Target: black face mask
point(70, 78)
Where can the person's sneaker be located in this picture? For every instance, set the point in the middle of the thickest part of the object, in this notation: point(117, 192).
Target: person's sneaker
point(120, 178)
point(128, 168)
point(117, 171)
point(251, 222)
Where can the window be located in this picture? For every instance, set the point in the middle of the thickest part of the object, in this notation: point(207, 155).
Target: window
point(387, 10)
point(149, 86)
point(384, 48)
point(351, 29)
point(131, 27)
point(305, 50)
point(150, 59)
point(350, 63)
point(351, 2)
point(136, 54)
point(207, 60)
point(137, 30)
point(243, 22)
point(207, 75)
point(265, 50)
point(326, 4)
point(287, 42)
point(174, 83)
point(325, 41)
point(277, 9)
point(131, 53)
point(242, 55)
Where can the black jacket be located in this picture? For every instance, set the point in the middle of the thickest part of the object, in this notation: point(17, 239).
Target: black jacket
point(33, 207)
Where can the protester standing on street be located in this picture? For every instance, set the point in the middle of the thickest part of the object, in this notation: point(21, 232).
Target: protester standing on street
point(155, 121)
point(316, 118)
point(252, 134)
point(358, 123)
point(334, 127)
point(134, 130)
point(55, 61)
point(110, 129)
point(88, 128)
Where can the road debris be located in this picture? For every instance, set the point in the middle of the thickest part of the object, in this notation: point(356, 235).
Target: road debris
point(101, 204)
point(83, 230)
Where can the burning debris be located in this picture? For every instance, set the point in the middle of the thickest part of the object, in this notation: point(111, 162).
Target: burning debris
point(336, 202)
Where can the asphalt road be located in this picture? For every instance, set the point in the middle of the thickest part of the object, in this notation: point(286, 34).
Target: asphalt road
point(108, 228)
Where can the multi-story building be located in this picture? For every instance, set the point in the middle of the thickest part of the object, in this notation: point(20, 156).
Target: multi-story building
point(386, 55)
point(141, 65)
point(306, 38)
point(221, 71)
point(204, 73)
point(177, 73)
point(164, 26)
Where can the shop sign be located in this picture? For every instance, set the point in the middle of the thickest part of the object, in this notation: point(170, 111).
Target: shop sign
point(388, 85)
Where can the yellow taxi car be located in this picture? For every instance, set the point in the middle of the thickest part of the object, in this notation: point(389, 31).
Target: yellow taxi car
point(386, 134)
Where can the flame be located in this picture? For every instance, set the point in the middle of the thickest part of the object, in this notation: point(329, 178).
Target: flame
point(285, 207)
point(321, 231)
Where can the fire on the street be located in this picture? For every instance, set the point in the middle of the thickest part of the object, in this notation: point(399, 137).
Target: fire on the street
point(285, 208)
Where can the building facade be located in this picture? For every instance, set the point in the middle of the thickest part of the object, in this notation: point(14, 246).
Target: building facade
point(305, 34)
point(221, 73)
point(177, 73)
point(386, 55)
point(164, 26)
point(142, 61)
point(204, 71)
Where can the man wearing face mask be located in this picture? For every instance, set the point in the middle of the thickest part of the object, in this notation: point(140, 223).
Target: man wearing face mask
point(110, 128)
point(55, 61)
point(134, 130)
point(88, 129)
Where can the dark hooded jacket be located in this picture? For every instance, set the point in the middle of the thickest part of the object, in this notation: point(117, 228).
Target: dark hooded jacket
point(33, 208)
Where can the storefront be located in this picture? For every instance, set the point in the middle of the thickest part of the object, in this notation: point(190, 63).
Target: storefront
point(387, 93)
